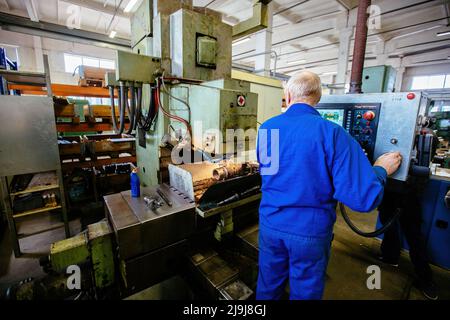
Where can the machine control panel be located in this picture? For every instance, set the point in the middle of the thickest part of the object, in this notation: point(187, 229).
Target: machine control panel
point(358, 119)
point(380, 122)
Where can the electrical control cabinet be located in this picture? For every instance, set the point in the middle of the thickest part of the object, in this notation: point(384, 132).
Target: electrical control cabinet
point(378, 79)
point(200, 46)
point(380, 122)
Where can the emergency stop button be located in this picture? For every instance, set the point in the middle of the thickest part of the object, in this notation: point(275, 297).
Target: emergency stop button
point(369, 115)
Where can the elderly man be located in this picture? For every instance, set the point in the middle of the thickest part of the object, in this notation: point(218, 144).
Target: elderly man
point(318, 163)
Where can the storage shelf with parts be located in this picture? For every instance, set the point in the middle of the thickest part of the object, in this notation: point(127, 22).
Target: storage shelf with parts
point(36, 189)
point(34, 211)
point(33, 157)
point(32, 194)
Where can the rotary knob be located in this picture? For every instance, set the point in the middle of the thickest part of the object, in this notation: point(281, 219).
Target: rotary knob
point(369, 115)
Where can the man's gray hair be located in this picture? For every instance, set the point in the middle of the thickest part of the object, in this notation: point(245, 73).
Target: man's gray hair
point(304, 85)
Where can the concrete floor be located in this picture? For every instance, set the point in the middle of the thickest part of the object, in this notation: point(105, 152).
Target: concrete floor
point(351, 255)
point(12, 269)
point(346, 274)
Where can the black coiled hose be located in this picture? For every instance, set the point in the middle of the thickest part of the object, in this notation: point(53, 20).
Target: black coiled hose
point(132, 109)
point(146, 122)
point(368, 234)
point(113, 110)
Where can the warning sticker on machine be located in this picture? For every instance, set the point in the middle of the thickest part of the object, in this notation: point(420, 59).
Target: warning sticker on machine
point(241, 100)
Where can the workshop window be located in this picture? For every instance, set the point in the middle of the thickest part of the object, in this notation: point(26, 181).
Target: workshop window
point(91, 62)
point(431, 82)
point(107, 64)
point(447, 82)
point(73, 61)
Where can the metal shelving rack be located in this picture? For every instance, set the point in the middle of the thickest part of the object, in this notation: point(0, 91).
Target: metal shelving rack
point(29, 145)
point(12, 216)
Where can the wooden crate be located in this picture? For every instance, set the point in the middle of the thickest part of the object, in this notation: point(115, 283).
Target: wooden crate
point(92, 77)
point(97, 83)
point(67, 111)
point(100, 111)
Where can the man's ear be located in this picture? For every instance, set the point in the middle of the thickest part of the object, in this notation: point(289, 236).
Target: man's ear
point(288, 98)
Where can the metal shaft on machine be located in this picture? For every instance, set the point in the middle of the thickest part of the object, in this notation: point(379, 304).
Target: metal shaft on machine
point(359, 51)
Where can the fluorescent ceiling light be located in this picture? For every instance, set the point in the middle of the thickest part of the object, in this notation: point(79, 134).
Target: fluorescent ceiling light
point(130, 5)
point(441, 34)
point(415, 32)
point(329, 73)
point(296, 62)
point(241, 41)
point(112, 34)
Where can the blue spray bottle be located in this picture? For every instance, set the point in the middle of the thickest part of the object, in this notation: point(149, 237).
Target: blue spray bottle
point(135, 184)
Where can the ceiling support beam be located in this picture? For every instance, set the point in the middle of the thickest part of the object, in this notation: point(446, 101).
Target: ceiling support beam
point(55, 31)
point(263, 41)
point(6, 4)
point(32, 10)
point(108, 9)
point(285, 14)
point(348, 4)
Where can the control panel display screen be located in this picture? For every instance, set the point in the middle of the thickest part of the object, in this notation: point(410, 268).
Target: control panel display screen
point(333, 115)
point(360, 120)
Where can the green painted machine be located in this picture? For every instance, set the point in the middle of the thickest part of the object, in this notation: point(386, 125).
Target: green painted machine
point(379, 79)
point(94, 246)
point(442, 124)
point(188, 51)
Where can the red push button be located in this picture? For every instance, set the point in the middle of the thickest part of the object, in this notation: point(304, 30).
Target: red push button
point(369, 115)
point(411, 96)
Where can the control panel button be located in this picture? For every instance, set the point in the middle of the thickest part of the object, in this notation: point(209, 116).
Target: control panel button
point(369, 115)
point(411, 96)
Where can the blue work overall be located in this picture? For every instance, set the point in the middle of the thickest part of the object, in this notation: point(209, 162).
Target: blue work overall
point(318, 164)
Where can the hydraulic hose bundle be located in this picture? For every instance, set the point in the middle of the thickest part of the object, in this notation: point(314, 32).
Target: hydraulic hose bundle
point(145, 122)
point(130, 103)
point(123, 105)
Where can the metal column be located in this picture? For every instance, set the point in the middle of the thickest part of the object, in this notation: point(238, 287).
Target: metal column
point(345, 37)
point(360, 47)
point(264, 45)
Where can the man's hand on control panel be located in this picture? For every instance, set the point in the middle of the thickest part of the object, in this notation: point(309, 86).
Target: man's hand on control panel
point(390, 162)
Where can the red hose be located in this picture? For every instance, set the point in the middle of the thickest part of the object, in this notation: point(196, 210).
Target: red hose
point(167, 114)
